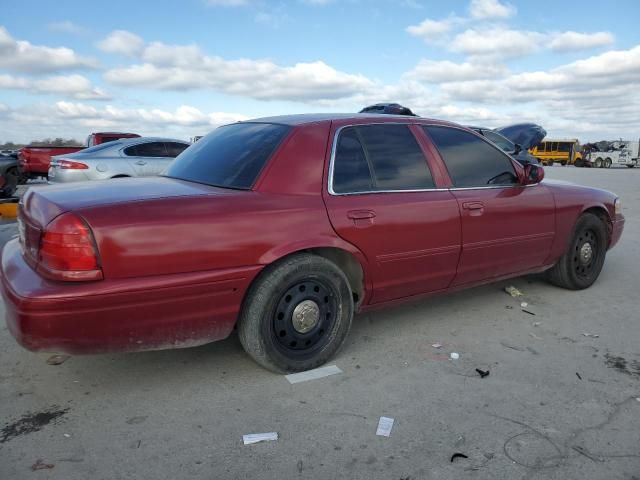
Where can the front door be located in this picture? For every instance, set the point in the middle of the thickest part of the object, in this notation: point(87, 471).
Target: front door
point(382, 199)
point(506, 227)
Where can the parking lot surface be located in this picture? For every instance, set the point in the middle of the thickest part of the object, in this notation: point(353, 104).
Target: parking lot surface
point(562, 400)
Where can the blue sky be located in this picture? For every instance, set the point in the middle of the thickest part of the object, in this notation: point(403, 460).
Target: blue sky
point(182, 68)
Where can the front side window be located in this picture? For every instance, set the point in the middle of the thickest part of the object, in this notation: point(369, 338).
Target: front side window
point(471, 161)
point(379, 158)
point(231, 156)
point(504, 143)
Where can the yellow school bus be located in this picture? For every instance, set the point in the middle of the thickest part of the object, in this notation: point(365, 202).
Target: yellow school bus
point(566, 151)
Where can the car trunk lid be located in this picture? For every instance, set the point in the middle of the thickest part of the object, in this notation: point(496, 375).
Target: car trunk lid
point(43, 204)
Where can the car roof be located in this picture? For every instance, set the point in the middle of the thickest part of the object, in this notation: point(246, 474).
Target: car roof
point(131, 141)
point(306, 118)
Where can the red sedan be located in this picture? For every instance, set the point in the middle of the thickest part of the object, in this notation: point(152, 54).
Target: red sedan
point(284, 227)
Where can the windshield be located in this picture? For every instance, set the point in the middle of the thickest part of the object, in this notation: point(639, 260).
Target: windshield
point(231, 156)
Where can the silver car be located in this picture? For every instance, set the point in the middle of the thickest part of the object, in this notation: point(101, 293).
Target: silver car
point(127, 157)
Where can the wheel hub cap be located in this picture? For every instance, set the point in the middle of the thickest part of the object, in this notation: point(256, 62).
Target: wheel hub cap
point(586, 252)
point(305, 316)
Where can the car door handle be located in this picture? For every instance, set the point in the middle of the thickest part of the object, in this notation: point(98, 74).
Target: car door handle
point(141, 162)
point(361, 214)
point(473, 205)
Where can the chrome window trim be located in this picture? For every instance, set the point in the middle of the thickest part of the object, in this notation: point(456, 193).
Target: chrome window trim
point(334, 147)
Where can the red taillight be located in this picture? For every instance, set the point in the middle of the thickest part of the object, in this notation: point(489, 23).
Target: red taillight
point(69, 165)
point(68, 251)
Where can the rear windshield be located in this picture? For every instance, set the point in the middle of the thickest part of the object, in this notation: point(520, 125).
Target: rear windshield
point(231, 156)
point(97, 148)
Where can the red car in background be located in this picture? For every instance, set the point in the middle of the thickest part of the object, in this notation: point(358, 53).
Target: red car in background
point(286, 226)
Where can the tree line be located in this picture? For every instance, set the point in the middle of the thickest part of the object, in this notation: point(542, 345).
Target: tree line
point(45, 142)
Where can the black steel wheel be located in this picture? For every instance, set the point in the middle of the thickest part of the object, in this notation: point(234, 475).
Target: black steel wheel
point(303, 315)
point(582, 263)
point(586, 250)
point(296, 314)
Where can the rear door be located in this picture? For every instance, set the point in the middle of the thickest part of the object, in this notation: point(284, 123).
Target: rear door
point(382, 198)
point(506, 227)
point(148, 158)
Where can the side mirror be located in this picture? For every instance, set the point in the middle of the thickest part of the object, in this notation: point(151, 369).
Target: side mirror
point(518, 149)
point(533, 174)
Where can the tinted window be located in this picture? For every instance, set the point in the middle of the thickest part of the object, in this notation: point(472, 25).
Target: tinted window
point(471, 161)
point(230, 156)
point(151, 149)
point(174, 148)
point(390, 153)
point(350, 170)
point(564, 147)
point(396, 158)
point(500, 141)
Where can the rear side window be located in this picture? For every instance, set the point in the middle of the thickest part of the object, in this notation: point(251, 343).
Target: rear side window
point(151, 149)
point(351, 171)
point(231, 156)
point(379, 157)
point(174, 148)
point(471, 161)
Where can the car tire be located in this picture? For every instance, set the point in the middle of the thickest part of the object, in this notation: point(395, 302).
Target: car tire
point(579, 163)
point(580, 265)
point(21, 179)
point(598, 163)
point(563, 163)
point(630, 166)
point(296, 314)
point(607, 163)
point(10, 184)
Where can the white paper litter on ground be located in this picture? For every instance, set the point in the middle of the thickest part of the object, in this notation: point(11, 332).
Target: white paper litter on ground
point(454, 356)
point(313, 374)
point(437, 345)
point(259, 437)
point(385, 424)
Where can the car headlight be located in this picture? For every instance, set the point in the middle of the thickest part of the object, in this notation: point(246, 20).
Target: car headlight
point(618, 206)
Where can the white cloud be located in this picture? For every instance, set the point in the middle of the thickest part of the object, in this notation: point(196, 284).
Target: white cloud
point(570, 40)
point(430, 71)
point(67, 26)
point(497, 42)
point(20, 55)
point(186, 67)
point(491, 9)
point(122, 42)
point(432, 30)
point(74, 86)
point(76, 120)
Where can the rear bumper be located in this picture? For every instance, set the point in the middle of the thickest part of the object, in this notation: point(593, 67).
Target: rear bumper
point(616, 231)
point(150, 313)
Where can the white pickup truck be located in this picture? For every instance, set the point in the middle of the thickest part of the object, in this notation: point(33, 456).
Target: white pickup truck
point(622, 152)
